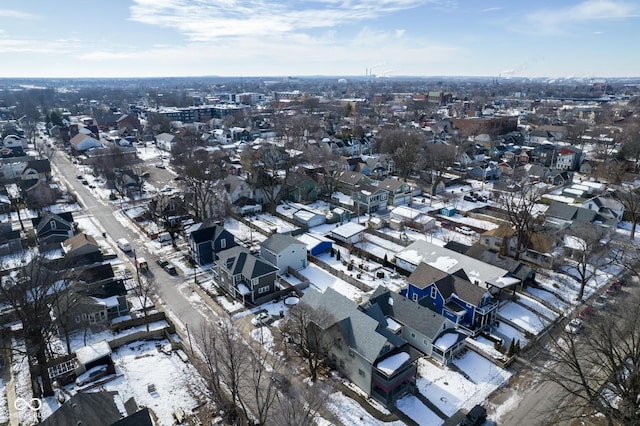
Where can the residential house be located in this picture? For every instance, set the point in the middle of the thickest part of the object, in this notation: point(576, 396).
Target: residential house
point(10, 240)
point(469, 306)
point(315, 244)
point(81, 249)
point(568, 158)
point(77, 312)
point(370, 199)
point(81, 143)
point(560, 216)
point(587, 167)
point(606, 207)
point(348, 181)
point(40, 194)
point(423, 328)
point(245, 276)
point(36, 170)
point(449, 261)
point(368, 352)
point(53, 228)
point(409, 217)
point(236, 188)
point(399, 192)
point(165, 141)
point(284, 252)
point(206, 239)
point(97, 281)
point(300, 188)
point(309, 218)
point(539, 136)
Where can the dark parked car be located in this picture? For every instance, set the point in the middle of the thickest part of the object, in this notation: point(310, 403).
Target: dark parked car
point(476, 416)
point(171, 269)
point(162, 262)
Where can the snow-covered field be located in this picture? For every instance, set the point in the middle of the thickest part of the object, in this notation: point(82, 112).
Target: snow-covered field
point(420, 413)
point(522, 317)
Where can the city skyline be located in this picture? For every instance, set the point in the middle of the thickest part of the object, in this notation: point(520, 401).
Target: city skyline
point(176, 38)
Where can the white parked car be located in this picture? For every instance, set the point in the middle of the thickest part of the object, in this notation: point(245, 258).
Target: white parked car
point(574, 326)
point(263, 318)
point(91, 375)
point(600, 302)
point(465, 230)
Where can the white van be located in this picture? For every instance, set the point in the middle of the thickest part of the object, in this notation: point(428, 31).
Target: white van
point(123, 244)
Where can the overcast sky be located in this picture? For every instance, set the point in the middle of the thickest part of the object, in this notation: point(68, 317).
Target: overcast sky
point(147, 38)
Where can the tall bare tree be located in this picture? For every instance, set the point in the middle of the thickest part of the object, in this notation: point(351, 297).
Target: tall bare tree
point(405, 147)
point(599, 370)
point(629, 196)
point(29, 293)
point(437, 158)
point(521, 210)
point(300, 404)
point(309, 329)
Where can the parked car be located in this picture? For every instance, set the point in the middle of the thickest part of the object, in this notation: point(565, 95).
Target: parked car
point(465, 230)
point(262, 318)
point(170, 269)
point(600, 302)
point(160, 166)
point(475, 417)
point(447, 225)
point(162, 262)
point(91, 375)
point(469, 198)
point(614, 288)
point(574, 326)
point(586, 313)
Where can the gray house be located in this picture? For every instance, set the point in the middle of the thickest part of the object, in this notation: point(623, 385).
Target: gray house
point(418, 324)
point(284, 251)
point(245, 276)
point(368, 352)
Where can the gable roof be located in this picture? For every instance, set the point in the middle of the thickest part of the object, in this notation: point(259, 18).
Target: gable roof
point(238, 260)
point(46, 217)
point(419, 317)
point(87, 408)
point(276, 243)
point(40, 166)
point(205, 231)
point(391, 184)
point(362, 333)
point(456, 283)
point(78, 241)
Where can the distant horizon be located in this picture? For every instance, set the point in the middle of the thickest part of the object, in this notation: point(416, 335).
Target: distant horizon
point(580, 39)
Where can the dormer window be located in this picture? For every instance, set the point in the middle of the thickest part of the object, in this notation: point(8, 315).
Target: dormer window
point(52, 224)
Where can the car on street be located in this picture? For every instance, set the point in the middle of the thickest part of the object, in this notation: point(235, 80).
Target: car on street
point(80, 177)
point(262, 318)
point(85, 182)
point(91, 375)
point(476, 416)
point(574, 326)
point(162, 262)
point(614, 288)
point(170, 269)
point(586, 313)
point(160, 166)
point(600, 302)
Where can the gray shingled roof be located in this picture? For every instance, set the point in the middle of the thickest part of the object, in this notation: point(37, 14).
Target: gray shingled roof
point(238, 260)
point(448, 284)
point(276, 243)
point(384, 303)
point(358, 329)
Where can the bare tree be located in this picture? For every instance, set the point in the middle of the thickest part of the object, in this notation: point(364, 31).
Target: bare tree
point(145, 291)
point(404, 146)
point(308, 328)
point(588, 251)
point(29, 293)
point(437, 158)
point(599, 371)
point(629, 196)
point(300, 404)
point(520, 208)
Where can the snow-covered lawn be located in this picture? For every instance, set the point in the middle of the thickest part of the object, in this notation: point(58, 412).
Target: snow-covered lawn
point(321, 280)
point(523, 317)
point(550, 298)
point(538, 307)
point(351, 413)
point(508, 333)
point(420, 413)
point(450, 390)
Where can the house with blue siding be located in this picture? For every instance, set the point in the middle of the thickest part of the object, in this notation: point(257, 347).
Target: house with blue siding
point(470, 307)
point(206, 239)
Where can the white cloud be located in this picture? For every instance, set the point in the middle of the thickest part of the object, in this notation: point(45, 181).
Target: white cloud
point(16, 14)
point(553, 21)
point(207, 20)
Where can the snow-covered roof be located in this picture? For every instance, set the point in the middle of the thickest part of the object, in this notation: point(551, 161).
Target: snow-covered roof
point(348, 230)
point(312, 240)
point(92, 352)
point(393, 363)
point(243, 289)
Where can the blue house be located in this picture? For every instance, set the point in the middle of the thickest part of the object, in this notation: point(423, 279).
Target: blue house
point(467, 305)
point(206, 239)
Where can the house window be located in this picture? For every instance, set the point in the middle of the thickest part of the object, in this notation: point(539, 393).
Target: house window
point(263, 289)
point(433, 292)
point(352, 354)
point(361, 372)
point(413, 335)
point(425, 341)
point(415, 297)
point(223, 243)
point(52, 224)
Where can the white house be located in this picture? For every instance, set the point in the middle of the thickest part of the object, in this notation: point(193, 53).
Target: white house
point(284, 251)
point(164, 141)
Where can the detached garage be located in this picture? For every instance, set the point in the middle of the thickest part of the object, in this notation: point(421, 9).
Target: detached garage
point(316, 244)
